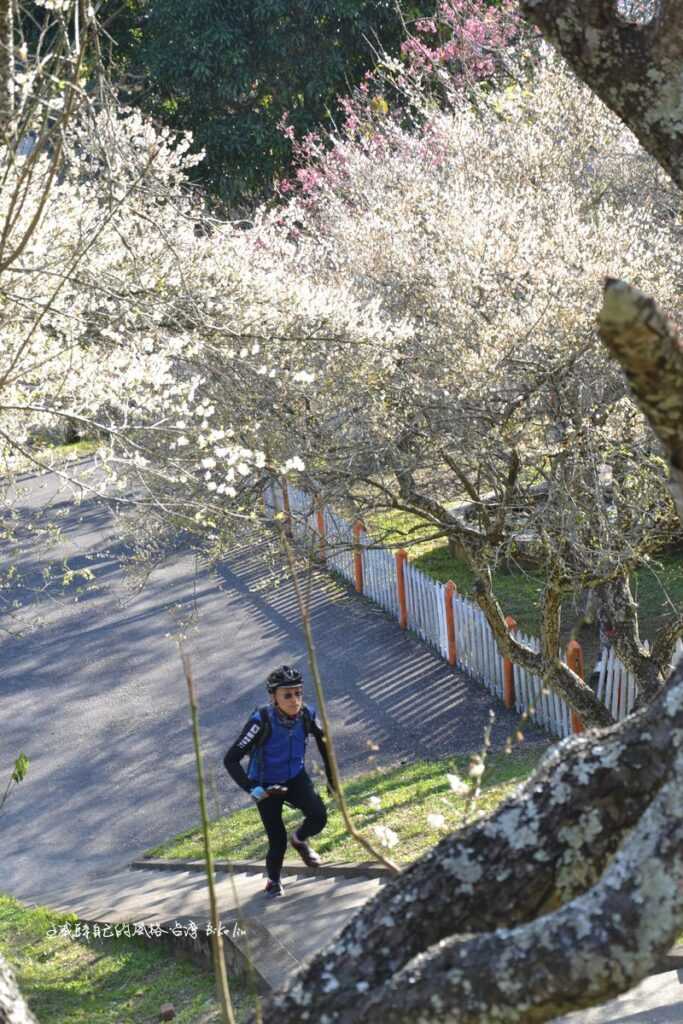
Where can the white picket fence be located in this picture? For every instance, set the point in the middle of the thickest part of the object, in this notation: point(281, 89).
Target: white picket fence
point(477, 651)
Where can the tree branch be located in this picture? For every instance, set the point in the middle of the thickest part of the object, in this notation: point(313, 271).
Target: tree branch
point(621, 611)
point(469, 487)
point(665, 642)
point(437, 512)
point(634, 69)
point(648, 347)
point(13, 1009)
point(529, 971)
point(497, 530)
point(546, 664)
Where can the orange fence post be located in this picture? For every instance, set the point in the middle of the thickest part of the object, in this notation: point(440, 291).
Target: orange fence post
point(401, 557)
point(320, 521)
point(450, 622)
point(509, 671)
point(575, 662)
point(285, 508)
point(358, 556)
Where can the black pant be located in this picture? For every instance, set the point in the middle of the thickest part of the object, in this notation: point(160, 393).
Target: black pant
point(300, 794)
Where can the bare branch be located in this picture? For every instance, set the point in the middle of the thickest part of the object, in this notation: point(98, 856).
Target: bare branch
point(622, 614)
point(554, 672)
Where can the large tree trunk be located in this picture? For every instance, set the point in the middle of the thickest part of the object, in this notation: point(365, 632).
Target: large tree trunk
point(409, 952)
point(636, 70)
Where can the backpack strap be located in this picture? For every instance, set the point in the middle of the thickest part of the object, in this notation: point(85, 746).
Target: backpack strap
point(266, 730)
point(266, 725)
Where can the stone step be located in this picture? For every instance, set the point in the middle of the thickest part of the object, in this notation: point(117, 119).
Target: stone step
point(328, 869)
point(276, 933)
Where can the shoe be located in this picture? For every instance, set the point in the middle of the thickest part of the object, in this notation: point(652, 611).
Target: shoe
point(274, 888)
point(308, 856)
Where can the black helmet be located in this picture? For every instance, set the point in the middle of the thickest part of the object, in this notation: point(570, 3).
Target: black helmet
point(283, 676)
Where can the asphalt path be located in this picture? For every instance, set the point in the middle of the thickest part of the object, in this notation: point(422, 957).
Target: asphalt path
point(95, 696)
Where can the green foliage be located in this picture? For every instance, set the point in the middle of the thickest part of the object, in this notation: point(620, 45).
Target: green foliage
point(229, 71)
point(18, 775)
point(20, 768)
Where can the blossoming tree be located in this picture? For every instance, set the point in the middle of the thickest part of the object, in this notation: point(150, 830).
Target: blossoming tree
point(416, 332)
point(571, 892)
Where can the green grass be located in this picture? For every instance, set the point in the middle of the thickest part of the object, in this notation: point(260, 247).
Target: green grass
point(76, 449)
point(517, 590)
point(113, 981)
point(407, 795)
point(655, 587)
point(52, 455)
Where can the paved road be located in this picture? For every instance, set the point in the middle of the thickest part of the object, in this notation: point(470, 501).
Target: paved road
point(96, 698)
point(657, 1000)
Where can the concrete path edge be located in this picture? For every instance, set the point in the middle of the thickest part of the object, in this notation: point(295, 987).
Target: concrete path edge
point(343, 869)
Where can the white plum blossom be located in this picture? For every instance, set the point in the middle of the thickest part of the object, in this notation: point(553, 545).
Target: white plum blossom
point(457, 785)
point(303, 377)
point(386, 836)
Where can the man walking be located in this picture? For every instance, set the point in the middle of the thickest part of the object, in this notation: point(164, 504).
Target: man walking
point(275, 739)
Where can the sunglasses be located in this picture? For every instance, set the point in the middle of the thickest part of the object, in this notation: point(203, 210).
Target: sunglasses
point(292, 695)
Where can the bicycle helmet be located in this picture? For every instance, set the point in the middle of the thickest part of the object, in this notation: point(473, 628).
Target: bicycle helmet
point(283, 676)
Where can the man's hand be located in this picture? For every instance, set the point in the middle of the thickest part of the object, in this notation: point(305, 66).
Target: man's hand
point(258, 793)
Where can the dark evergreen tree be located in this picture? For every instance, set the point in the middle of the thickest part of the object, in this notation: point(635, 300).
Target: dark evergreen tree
point(228, 71)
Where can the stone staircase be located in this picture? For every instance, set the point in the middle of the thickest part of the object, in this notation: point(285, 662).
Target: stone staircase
point(265, 939)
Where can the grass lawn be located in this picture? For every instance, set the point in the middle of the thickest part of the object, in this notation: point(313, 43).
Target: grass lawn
point(111, 981)
point(53, 455)
point(407, 796)
point(655, 588)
